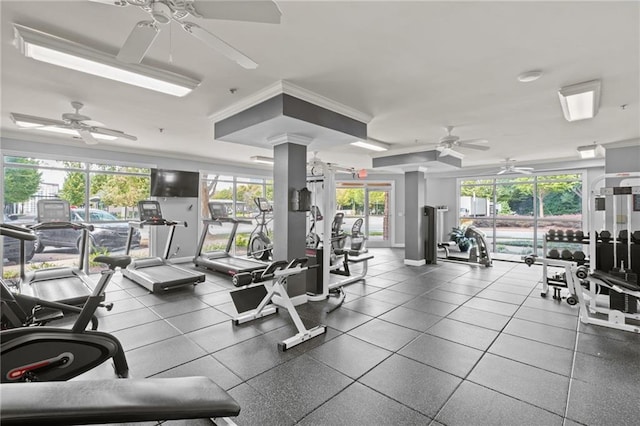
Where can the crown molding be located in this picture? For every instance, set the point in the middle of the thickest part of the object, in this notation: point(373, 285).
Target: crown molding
point(285, 87)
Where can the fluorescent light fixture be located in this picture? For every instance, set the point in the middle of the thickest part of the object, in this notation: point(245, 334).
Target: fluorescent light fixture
point(580, 101)
point(590, 151)
point(58, 51)
point(24, 122)
point(261, 159)
point(372, 145)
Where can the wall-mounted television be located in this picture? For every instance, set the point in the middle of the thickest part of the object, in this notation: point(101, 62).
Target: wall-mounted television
point(174, 183)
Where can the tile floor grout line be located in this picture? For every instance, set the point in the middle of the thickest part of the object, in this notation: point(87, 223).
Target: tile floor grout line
point(573, 366)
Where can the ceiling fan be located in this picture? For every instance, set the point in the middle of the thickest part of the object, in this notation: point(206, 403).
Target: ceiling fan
point(162, 12)
point(510, 167)
point(448, 142)
point(72, 123)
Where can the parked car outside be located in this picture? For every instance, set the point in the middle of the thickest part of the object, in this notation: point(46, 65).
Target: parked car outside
point(108, 232)
point(11, 246)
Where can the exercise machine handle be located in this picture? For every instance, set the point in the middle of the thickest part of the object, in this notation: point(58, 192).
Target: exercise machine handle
point(18, 232)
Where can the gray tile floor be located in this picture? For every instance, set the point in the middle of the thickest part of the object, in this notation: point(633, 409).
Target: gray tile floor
point(450, 344)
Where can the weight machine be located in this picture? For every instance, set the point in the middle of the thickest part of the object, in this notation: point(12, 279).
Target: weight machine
point(321, 180)
point(612, 291)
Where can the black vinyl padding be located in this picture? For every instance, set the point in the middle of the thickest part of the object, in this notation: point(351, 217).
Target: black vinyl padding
point(114, 401)
point(613, 280)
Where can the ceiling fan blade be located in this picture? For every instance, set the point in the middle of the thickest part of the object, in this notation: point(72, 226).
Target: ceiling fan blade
point(217, 44)
point(86, 136)
point(114, 133)
point(444, 152)
point(521, 170)
point(31, 121)
point(478, 147)
point(501, 172)
point(138, 42)
point(473, 141)
point(264, 11)
point(111, 2)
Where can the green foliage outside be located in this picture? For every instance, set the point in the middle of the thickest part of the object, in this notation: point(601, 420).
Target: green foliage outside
point(353, 199)
point(113, 190)
point(242, 240)
point(20, 184)
point(41, 265)
point(556, 195)
point(102, 251)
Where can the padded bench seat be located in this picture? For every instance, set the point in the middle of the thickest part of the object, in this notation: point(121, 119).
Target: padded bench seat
point(114, 401)
point(355, 257)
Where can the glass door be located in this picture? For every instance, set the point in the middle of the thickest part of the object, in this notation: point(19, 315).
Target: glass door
point(378, 216)
point(371, 202)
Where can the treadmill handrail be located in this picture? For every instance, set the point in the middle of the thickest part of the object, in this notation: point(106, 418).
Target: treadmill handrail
point(17, 232)
point(62, 225)
point(162, 222)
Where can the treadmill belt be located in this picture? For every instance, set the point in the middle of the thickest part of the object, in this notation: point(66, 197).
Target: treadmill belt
point(167, 275)
point(71, 290)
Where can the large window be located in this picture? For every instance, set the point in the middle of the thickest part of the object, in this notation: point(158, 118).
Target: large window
point(237, 195)
point(103, 195)
point(515, 212)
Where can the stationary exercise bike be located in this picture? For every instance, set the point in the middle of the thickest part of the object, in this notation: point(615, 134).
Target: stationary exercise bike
point(260, 245)
point(52, 354)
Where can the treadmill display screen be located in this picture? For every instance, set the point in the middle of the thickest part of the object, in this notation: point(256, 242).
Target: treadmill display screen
point(53, 211)
point(217, 210)
point(149, 210)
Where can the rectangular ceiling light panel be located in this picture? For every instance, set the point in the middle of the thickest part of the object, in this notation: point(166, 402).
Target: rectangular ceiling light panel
point(64, 53)
point(580, 101)
point(371, 145)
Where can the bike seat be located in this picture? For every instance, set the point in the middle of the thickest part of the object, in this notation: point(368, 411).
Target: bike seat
point(121, 261)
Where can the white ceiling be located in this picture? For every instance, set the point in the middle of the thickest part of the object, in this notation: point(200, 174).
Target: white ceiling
point(414, 67)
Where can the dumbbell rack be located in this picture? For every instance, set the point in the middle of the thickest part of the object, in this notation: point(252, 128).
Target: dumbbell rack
point(558, 281)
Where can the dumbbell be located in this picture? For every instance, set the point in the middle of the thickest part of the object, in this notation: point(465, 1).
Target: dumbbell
point(579, 235)
point(551, 235)
point(605, 236)
point(566, 254)
point(559, 235)
point(635, 237)
point(579, 256)
point(569, 234)
point(623, 235)
point(553, 254)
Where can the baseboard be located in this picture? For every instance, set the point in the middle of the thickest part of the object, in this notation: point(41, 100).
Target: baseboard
point(411, 262)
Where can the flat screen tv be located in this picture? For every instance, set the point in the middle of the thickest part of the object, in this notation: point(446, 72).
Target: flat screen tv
point(174, 183)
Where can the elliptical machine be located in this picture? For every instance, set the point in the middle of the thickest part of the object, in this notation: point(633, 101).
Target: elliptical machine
point(52, 354)
point(260, 245)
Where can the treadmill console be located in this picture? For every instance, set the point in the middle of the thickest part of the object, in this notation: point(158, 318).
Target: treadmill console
point(53, 210)
point(263, 204)
point(150, 213)
point(217, 210)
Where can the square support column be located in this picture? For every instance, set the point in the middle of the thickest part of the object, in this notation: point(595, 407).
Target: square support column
point(414, 184)
point(289, 227)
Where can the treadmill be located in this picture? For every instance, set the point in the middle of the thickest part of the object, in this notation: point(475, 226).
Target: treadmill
point(65, 284)
point(156, 273)
point(223, 261)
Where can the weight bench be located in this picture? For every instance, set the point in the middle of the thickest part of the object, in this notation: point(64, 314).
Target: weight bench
point(114, 401)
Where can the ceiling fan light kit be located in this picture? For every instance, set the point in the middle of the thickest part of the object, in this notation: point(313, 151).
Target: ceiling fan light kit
point(55, 50)
point(74, 124)
point(580, 101)
point(510, 168)
point(164, 11)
